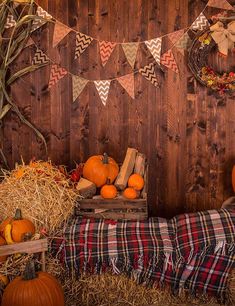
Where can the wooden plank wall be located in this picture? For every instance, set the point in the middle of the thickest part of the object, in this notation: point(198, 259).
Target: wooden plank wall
point(186, 131)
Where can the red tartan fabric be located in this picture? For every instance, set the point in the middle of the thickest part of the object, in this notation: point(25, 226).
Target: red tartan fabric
point(194, 251)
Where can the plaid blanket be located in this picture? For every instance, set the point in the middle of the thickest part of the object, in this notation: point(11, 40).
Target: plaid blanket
point(194, 251)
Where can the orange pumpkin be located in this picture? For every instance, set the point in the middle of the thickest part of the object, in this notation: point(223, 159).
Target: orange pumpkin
point(136, 181)
point(99, 168)
point(33, 289)
point(2, 242)
point(108, 191)
point(130, 193)
point(20, 226)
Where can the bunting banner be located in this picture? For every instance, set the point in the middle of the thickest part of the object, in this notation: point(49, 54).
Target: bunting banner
point(149, 73)
point(102, 87)
point(127, 82)
point(10, 22)
point(40, 58)
point(56, 74)
point(154, 46)
point(183, 43)
point(78, 86)
point(30, 42)
point(175, 36)
point(200, 23)
point(37, 23)
point(60, 31)
point(168, 60)
point(130, 50)
point(106, 48)
point(82, 42)
point(222, 4)
point(42, 13)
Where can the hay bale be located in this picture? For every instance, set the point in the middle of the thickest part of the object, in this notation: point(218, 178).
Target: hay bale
point(43, 193)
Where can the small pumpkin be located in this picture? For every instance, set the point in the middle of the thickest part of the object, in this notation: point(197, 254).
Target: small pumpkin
point(99, 168)
point(33, 289)
point(136, 181)
point(130, 193)
point(20, 226)
point(2, 242)
point(108, 191)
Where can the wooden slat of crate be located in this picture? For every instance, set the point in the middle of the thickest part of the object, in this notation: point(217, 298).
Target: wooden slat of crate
point(113, 209)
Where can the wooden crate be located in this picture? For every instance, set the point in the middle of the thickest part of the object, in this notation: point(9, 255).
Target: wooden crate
point(118, 208)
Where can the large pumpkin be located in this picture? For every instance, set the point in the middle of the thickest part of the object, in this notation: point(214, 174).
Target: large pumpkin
point(99, 168)
point(33, 289)
point(19, 226)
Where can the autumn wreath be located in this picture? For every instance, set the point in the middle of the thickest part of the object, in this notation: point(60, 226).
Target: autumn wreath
point(201, 47)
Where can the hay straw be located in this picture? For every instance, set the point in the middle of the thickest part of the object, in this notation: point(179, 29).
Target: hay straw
point(42, 192)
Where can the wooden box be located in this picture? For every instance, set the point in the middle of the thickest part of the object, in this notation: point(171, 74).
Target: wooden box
point(119, 207)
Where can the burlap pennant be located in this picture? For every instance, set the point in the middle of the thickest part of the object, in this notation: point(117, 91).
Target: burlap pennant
point(175, 36)
point(106, 48)
point(102, 87)
point(148, 72)
point(168, 60)
point(78, 86)
point(60, 31)
point(40, 58)
point(10, 22)
point(127, 82)
point(200, 23)
point(82, 42)
point(130, 51)
point(56, 74)
point(183, 43)
point(154, 46)
point(30, 42)
point(42, 13)
point(222, 4)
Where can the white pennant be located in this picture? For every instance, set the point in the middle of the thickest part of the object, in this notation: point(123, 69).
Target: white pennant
point(102, 87)
point(154, 46)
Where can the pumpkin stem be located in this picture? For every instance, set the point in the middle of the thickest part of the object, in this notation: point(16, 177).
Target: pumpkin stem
point(18, 214)
point(29, 272)
point(105, 158)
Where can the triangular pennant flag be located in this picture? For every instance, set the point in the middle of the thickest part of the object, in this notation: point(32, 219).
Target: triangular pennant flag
point(60, 31)
point(82, 42)
point(78, 85)
point(149, 73)
point(40, 58)
point(130, 51)
point(154, 46)
point(102, 87)
point(10, 22)
point(106, 48)
point(222, 4)
point(175, 36)
point(37, 23)
point(168, 60)
point(56, 74)
point(42, 13)
point(183, 43)
point(200, 23)
point(127, 82)
point(29, 42)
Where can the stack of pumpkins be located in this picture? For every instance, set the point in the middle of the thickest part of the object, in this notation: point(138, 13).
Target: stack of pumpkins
point(31, 288)
point(102, 171)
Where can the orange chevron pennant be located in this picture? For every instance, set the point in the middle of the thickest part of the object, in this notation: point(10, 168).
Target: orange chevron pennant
point(60, 31)
point(130, 50)
point(222, 4)
point(127, 82)
point(175, 36)
point(106, 48)
point(154, 46)
point(168, 60)
point(56, 74)
point(102, 87)
point(200, 23)
point(82, 42)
